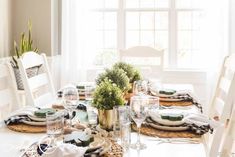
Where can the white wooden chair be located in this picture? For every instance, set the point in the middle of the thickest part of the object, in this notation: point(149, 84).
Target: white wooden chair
point(228, 146)
point(39, 90)
point(222, 100)
point(8, 98)
point(222, 104)
point(149, 60)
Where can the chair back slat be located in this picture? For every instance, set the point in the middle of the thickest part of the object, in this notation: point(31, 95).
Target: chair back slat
point(38, 81)
point(36, 84)
point(31, 59)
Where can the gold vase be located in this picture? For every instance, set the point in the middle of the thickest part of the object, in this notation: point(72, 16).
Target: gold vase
point(106, 119)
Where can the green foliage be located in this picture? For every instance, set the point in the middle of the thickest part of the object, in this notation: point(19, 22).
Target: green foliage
point(131, 72)
point(117, 76)
point(26, 44)
point(107, 95)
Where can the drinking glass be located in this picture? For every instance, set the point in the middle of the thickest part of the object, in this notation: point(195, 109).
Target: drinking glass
point(92, 115)
point(153, 103)
point(55, 124)
point(70, 98)
point(89, 89)
point(140, 87)
point(125, 129)
point(138, 112)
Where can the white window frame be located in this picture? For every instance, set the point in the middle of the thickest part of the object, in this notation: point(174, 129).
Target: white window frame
point(172, 27)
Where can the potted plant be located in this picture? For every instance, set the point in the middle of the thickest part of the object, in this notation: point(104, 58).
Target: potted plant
point(26, 44)
point(132, 73)
point(117, 76)
point(106, 96)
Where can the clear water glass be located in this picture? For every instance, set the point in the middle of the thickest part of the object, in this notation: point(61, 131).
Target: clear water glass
point(116, 124)
point(138, 112)
point(125, 129)
point(89, 89)
point(92, 115)
point(153, 103)
point(140, 87)
point(70, 98)
point(55, 124)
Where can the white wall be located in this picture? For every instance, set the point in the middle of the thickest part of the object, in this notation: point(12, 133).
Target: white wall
point(39, 12)
point(232, 27)
point(5, 27)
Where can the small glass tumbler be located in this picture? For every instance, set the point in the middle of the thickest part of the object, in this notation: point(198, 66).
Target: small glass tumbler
point(116, 124)
point(125, 129)
point(55, 124)
point(92, 115)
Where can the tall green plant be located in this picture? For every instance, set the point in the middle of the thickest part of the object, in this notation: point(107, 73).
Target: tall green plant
point(26, 44)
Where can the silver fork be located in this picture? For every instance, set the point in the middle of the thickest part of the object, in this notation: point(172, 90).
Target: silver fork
point(176, 140)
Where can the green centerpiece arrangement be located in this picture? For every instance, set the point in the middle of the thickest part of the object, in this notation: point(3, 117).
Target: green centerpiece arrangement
point(116, 76)
point(106, 96)
point(113, 86)
point(26, 45)
point(132, 73)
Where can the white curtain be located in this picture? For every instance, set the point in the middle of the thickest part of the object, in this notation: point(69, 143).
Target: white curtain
point(77, 50)
point(4, 28)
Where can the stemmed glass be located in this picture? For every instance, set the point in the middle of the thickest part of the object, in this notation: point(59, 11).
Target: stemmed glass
point(140, 87)
point(70, 98)
point(138, 111)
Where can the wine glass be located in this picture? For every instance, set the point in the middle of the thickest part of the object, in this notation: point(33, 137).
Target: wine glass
point(141, 87)
point(70, 98)
point(138, 111)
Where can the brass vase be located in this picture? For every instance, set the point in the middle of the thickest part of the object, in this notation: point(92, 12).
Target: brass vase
point(106, 119)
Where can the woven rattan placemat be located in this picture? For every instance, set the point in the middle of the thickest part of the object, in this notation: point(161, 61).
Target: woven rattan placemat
point(27, 128)
point(176, 103)
point(115, 151)
point(149, 131)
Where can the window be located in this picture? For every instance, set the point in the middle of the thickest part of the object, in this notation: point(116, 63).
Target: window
point(174, 25)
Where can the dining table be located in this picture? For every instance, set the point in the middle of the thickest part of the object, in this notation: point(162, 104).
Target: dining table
point(14, 144)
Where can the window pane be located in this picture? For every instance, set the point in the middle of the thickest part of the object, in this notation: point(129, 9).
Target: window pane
point(110, 20)
point(98, 4)
point(146, 3)
point(189, 3)
point(184, 20)
point(147, 20)
point(147, 38)
point(132, 20)
point(184, 40)
point(98, 39)
point(98, 20)
point(132, 38)
point(132, 3)
point(110, 39)
point(161, 3)
point(161, 20)
point(184, 58)
point(196, 40)
point(161, 39)
point(111, 3)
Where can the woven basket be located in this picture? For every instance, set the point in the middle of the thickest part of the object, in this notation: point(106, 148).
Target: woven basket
point(31, 72)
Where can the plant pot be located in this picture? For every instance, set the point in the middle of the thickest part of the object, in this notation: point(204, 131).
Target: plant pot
point(106, 119)
point(31, 72)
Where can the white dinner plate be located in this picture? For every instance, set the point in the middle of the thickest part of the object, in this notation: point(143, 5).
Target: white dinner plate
point(169, 128)
point(34, 123)
point(34, 118)
point(156, 116)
